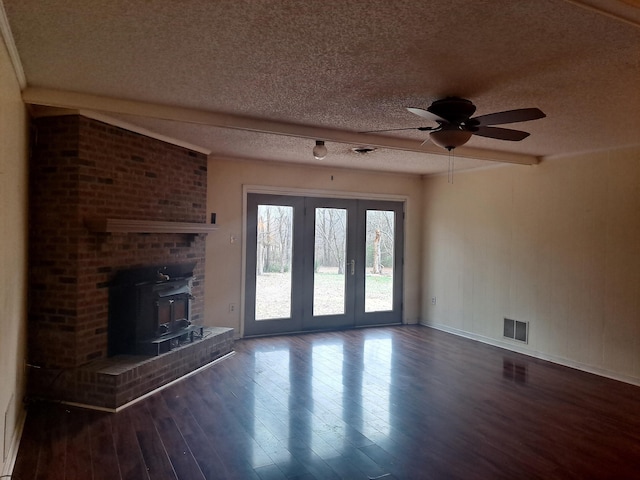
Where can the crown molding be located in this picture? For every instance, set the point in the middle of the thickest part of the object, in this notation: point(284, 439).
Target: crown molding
point(626, 11)
point(7, 36)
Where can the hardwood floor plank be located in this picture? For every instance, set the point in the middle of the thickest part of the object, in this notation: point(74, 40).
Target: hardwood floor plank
point(130, 459)
point(234, 446)
point(404, 402)
point(182, 460)
point(179, 400)
point(270, 472)
point(103, 453)
point(312, 462)
point(78, 455)
point(52, 458)
point(155, 456)
point(26, 464)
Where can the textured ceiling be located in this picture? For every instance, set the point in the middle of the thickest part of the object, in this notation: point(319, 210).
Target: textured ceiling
point(324, 68)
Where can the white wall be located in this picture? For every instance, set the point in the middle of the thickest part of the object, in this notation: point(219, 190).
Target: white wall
point(223, 270)
point(557, 245)
point(13, 257)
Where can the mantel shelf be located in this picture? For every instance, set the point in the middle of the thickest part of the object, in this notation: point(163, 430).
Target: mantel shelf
point(117, 225)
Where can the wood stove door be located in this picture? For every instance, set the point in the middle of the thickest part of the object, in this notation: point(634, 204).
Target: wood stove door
point(169, 310)
point(181, 308)
point(163, 313)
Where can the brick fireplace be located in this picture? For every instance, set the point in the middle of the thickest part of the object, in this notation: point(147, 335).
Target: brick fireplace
point(84, 172)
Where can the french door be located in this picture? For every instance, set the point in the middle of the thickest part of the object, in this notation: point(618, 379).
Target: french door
point(322, 263)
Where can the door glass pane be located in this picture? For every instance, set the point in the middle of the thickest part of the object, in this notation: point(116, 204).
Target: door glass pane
point(329, 261)
point(378, 296)
point(273, 262)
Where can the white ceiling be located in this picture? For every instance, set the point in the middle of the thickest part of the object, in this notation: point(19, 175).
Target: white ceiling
point(282, 73)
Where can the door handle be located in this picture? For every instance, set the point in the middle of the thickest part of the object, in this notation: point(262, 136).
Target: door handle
point(353, 266)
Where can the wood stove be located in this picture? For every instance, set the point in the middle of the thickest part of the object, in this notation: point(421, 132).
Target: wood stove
point(149, 310)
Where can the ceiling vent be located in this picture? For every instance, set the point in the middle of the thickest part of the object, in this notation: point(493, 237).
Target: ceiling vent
point(363, 150)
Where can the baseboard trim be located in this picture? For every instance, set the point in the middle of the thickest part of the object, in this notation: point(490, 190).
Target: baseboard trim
point(10, 463)
point(535, 354)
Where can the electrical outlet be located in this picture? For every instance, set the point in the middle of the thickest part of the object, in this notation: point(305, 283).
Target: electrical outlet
point(433, 300)
point(232, 307)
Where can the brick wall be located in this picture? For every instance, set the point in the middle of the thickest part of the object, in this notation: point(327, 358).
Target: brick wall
point(84, 168)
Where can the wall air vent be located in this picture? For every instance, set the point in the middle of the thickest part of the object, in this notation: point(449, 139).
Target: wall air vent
point(516, 330)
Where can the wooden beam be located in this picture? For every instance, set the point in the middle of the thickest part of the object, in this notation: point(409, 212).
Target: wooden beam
point(83, 101)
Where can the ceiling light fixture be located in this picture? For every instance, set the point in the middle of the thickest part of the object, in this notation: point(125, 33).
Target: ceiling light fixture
point(450, 137)
point(319, 151)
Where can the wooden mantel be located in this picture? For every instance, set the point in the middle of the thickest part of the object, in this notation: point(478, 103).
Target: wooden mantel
point(118, 225)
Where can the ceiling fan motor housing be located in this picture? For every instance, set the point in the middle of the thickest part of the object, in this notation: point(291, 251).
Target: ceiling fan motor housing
point(453, 109)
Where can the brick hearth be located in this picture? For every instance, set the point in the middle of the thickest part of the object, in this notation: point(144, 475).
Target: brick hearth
point(113, 382)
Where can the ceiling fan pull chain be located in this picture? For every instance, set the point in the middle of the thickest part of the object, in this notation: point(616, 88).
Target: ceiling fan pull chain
point(450, 172)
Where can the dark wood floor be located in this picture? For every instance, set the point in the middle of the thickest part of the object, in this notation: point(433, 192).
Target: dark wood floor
point(392, 403)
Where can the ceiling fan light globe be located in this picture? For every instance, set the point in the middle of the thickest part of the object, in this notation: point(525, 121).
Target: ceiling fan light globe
point(450, 138)
point(320, 150)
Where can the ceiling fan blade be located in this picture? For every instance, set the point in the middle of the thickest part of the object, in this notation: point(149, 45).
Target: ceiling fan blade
point(500, 133)
point(426, 114)
point(509, 116)
point(422, 129)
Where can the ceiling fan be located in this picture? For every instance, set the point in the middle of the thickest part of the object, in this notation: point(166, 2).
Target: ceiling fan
point(456, 126)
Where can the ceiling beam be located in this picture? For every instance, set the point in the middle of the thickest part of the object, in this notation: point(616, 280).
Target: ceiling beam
point(39, 111)
point(82, 101)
